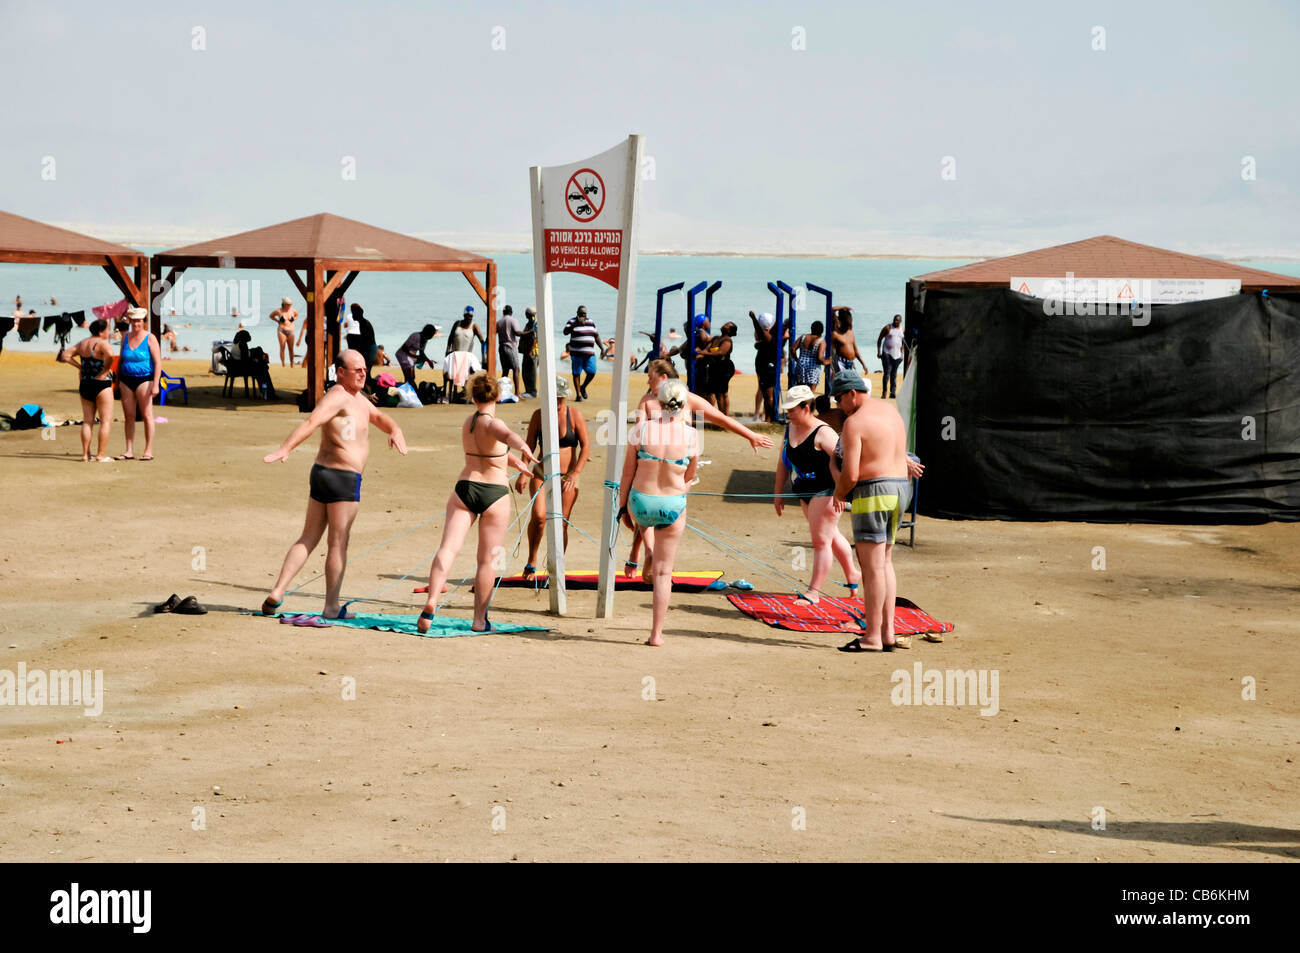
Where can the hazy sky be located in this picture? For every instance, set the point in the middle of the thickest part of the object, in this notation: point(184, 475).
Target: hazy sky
point(756, 145)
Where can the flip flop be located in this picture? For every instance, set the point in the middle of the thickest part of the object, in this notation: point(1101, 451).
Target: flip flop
point(290, 618)
point(425, 617)
point(932, 636)
point(125, 456)
point(190, 606)
point(900, 642)
point(169, 605)
point(856, 646)
point(268, 607)
point(311, 622)
point(343, 613)
point(143, 459)
point(802, 597)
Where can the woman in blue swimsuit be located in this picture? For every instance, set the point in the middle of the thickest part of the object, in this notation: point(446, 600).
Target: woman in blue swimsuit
point(662, 456)
point(482, 493)
point(138, 370)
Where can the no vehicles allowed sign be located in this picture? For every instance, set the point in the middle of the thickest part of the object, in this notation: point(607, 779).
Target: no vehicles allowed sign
point(583, 208)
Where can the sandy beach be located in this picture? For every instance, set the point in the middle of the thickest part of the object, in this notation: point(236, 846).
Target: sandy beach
point(1120, 689)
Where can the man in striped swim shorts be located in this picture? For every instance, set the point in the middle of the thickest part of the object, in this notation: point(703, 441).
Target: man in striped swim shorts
point(874, 484)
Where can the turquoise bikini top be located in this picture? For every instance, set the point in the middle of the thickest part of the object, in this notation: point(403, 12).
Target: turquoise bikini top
point(642, 455)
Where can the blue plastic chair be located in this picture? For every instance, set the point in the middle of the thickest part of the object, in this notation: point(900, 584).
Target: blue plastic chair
point(167, 384)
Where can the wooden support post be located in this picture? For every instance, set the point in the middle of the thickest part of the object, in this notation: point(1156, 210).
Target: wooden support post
point(490, 300)
point(315, 334)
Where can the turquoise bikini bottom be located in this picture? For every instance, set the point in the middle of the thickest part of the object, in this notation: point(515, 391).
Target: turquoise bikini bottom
point(653, 511)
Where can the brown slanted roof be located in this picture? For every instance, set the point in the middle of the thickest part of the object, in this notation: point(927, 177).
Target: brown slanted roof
point(324, 237)
point(1104, 256)
point(25, 237)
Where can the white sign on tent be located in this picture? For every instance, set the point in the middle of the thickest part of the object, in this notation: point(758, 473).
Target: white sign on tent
point(1126, 290)
point(584, 222)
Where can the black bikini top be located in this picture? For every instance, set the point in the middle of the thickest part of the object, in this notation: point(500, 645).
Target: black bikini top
point(471, 453)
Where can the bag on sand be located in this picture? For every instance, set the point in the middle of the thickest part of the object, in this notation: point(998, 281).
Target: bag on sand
point(407, 397)
point(30, 417)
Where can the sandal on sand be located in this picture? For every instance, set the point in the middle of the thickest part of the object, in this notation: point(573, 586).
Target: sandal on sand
point(343, 613)
point(150, 457)
point(487, 623)
point(856, 646)
point(932, 636)
point(744, 585)
point(901, 642)
point(172, 602)
point(310, 622)
point(425, 617)
point(268, 607)
point(803, 597)
point(291, 618)
point(189, 606)
point(125, 456)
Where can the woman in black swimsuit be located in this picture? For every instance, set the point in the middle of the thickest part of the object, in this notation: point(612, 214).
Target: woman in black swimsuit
point(807, 460)
point(92, 357)
point(482, 493)
point(575, 450)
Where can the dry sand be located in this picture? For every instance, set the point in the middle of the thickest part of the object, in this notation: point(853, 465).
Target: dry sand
point(1120, 689)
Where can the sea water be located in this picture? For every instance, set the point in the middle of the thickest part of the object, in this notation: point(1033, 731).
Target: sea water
point(398, 303)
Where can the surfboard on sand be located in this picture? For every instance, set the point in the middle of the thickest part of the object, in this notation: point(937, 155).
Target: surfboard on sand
point(682, 581)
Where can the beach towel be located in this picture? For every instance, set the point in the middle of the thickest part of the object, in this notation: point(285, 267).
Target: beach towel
point(832, 614)
point(459, 365)
point(110, 312)
point(62, 324)
point(442, 627)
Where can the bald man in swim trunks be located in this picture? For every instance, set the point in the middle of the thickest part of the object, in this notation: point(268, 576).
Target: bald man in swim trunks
point(343, 416)
point(874, 483)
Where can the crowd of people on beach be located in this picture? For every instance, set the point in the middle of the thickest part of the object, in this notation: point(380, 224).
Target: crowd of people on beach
point(852, 458)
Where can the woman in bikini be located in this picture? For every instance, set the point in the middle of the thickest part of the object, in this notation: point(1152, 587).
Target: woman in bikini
point(657, 372)
point(285, 316)
point(809, 457)
point(139, 368)
point(92, 357)
point(662, 456)
point(575, 449)
point(482, 493)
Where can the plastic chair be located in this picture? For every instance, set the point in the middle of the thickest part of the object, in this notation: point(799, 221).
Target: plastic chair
point(167, 384)
point(910, 524)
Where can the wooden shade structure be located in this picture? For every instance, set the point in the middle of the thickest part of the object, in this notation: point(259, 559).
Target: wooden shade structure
point(26, 241)
point(330, 251)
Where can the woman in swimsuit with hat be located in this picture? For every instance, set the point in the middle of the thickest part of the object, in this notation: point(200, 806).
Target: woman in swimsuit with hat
point(575, 450)
point(482, 493)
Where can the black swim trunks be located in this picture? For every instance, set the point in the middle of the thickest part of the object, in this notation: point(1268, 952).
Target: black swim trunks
point(335, 486)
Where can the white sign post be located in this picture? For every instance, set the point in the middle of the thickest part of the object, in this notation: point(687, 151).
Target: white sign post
point(584, 221)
